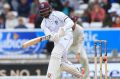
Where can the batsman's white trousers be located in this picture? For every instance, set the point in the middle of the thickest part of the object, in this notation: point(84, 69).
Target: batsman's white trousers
point(60, 48)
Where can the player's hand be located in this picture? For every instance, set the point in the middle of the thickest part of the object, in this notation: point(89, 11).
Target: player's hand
point(57, 36)
point(78, 57)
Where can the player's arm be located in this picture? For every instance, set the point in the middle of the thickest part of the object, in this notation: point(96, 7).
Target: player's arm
point(54, 36)
point(66, 29)
point(46, 30)
point(68, 23)
point(80, 44)
point(79, 51)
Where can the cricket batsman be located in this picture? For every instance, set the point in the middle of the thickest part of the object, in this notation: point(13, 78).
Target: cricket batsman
point(59, 26)
point(78, 47)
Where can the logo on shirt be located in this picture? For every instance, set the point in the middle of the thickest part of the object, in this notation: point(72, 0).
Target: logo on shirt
point(65, 39)
point(56, 22)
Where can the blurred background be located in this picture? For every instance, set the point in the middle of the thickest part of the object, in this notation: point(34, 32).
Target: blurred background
point(20, 21)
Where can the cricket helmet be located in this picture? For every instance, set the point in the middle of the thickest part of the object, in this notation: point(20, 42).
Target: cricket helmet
point(45, 9)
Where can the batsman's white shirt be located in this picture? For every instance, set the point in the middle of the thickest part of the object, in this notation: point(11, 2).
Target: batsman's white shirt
point(56, 20)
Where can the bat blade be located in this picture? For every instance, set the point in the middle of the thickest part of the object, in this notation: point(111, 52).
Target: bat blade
point(35, 41)
point(31, 42)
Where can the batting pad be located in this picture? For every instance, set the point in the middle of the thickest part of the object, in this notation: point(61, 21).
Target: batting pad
point(68, 67)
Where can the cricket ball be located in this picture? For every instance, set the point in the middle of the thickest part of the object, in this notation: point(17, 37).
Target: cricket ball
point(105, 58)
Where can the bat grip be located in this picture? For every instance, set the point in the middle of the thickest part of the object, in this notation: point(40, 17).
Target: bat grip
point(45, 38)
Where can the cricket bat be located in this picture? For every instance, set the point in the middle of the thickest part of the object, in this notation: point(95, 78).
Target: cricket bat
point(35, 41)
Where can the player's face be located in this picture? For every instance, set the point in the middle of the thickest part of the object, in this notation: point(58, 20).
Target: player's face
point(45, 14)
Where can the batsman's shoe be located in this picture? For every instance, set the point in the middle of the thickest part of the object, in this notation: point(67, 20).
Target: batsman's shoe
point(82, 71)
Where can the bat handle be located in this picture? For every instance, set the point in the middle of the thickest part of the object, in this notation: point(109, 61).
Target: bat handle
point(45, 38)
